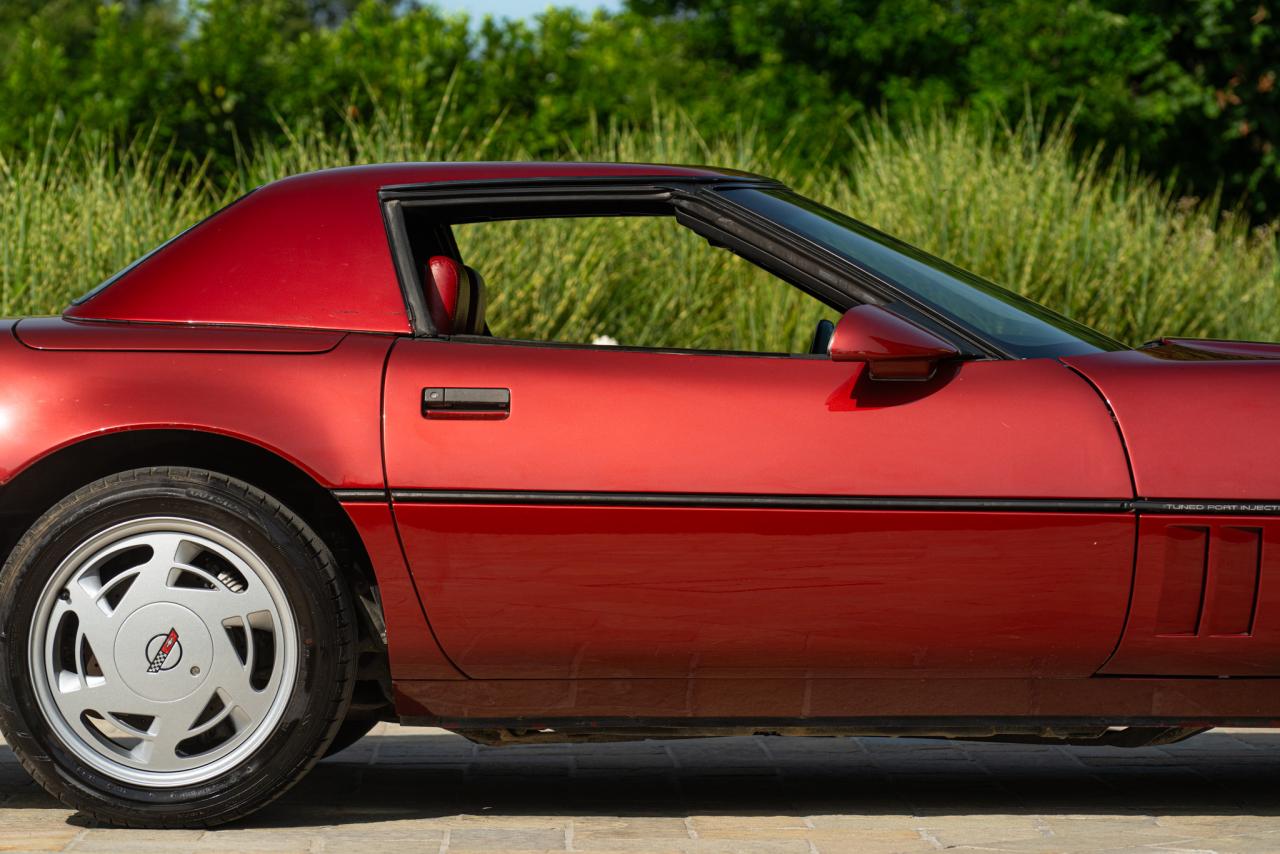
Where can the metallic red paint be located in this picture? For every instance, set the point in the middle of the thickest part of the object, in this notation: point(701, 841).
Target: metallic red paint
point(564, 592)
point(411, 646)
point(1200, 604)
point(311, 398)
point(1227, 349)
point(273, 321)
point(613, 420)
point(892, 347)
point(556, 592)
point(1202, 429)
point(539, 702)
point(319, 411)
point(307, 251)
point(56, 333)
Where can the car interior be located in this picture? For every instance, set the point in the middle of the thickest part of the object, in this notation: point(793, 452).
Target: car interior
point(457, 297)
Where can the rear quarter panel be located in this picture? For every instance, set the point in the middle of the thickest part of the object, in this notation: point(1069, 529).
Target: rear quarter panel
point(319, 410)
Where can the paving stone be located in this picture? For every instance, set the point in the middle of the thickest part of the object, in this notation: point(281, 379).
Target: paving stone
point(506, 839)
point(145, 846)
point(36, 839)
point(871, 842)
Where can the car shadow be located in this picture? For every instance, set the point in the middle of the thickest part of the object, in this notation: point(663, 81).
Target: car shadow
point(441, 775)
point(416, 774)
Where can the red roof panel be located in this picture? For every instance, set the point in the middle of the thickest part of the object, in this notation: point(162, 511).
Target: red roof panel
point(308, 251)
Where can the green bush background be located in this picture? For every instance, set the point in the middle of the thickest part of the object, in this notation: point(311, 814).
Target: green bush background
point(1187, 87)
point(120, 123)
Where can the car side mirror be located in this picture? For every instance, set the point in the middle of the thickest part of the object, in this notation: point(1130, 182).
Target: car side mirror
point(893, 348)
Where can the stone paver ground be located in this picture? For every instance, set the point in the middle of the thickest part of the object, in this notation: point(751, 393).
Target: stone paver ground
point(409, 790)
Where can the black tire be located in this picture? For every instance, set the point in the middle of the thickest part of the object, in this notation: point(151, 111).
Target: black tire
point(305, 571)
point(348, 734)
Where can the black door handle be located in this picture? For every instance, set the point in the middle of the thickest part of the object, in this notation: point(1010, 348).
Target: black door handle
point(466, 402)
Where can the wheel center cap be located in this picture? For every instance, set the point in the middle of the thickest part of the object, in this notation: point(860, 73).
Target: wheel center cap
point(163, 651)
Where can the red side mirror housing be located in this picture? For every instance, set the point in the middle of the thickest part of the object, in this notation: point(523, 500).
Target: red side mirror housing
point(893, 348)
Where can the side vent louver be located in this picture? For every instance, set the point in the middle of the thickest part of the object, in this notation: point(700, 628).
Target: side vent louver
point(1186, 565)
point(1201, 605)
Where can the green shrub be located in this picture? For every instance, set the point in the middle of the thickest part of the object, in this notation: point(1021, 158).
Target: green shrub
point(1189, 89)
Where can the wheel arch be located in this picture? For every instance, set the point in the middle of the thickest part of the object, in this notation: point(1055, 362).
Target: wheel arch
point(47, 480)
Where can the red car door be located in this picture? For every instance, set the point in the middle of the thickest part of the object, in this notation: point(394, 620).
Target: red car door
point(599, 512)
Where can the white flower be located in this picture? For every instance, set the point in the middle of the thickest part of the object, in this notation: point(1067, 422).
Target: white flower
point(604, 341)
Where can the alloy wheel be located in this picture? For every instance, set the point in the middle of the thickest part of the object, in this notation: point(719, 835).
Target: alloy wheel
point(163, 652)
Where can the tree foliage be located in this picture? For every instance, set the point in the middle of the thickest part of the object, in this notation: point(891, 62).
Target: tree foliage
point(1186, 86)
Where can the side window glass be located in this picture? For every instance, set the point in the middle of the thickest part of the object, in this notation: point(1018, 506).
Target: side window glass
point(639, 281)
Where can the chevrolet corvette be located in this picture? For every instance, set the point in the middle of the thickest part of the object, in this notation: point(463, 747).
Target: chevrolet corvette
point(294, 472)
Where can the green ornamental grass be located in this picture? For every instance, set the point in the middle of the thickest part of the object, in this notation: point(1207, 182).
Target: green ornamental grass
point(1088, 237)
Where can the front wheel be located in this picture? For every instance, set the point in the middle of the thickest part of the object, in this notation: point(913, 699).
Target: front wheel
point(177, 649)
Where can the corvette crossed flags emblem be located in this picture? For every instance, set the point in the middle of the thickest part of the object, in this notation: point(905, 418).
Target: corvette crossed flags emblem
point(162, 654)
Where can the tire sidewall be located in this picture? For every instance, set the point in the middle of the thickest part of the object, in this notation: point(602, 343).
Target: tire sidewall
point(301, 727)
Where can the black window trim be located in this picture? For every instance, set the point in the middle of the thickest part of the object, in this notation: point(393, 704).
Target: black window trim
point(776, 245)
point(903, 301)
point(695, 204)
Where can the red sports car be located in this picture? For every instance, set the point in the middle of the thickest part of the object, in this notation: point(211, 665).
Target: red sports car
point(285, 477)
